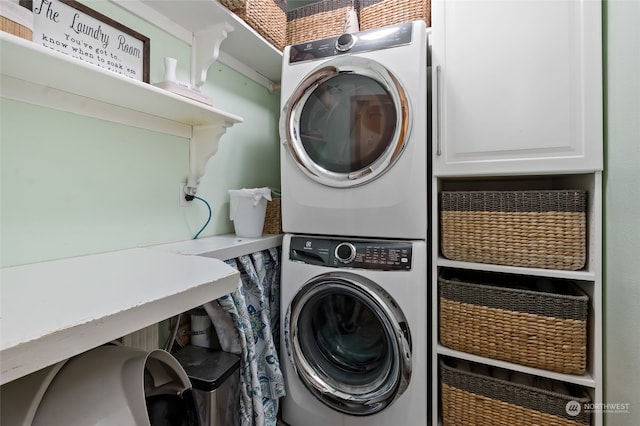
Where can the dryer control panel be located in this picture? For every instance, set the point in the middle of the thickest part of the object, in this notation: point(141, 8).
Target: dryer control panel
point(364, 41)
point(359, 254)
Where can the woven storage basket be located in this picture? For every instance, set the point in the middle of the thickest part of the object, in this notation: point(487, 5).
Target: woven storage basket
point(16, 20)
point(475, 399)
point(318, 20)
point(273, 217)
point(267, 17)
point(378, 13)
point(537, 229)
point(524, 326)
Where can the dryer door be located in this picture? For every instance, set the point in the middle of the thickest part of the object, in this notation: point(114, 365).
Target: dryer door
point(347, 122)
point(349, 343)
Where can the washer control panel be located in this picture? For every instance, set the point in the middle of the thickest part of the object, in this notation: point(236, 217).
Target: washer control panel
point(364, 41)
point(360, 254)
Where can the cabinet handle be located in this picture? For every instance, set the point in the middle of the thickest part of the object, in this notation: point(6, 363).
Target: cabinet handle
point(438, 143)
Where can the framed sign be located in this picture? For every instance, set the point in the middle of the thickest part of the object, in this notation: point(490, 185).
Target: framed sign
point(74, 29)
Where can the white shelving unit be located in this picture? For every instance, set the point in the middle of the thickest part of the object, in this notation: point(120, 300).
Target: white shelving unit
point(503, 122)
point(71, 85)
point(28, 68)
point(207, 23)
point(588, 279)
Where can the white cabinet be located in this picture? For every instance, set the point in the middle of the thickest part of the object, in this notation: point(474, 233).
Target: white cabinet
point(517, 86)
point(517, 101)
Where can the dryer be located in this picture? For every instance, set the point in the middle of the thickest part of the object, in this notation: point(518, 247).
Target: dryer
point(354, 331)
point(354, 126)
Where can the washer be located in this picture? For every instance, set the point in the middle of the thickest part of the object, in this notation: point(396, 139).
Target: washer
point(354, 331)
point(354, 128)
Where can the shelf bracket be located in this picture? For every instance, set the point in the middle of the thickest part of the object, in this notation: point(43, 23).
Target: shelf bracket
point(205, 50)
point(203, 145)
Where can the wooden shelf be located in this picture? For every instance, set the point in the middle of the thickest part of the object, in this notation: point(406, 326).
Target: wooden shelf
point(57, 309)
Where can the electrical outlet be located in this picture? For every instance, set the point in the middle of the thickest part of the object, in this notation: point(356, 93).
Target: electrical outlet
point(183, 202)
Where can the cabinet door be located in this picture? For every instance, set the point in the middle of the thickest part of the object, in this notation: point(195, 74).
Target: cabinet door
point(518, 86)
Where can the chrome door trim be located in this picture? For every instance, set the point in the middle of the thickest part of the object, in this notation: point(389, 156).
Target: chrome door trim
point(354, 400)
point(290, 119)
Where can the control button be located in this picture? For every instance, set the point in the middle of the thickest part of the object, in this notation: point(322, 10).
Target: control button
point(345, 252)
point(345, 42)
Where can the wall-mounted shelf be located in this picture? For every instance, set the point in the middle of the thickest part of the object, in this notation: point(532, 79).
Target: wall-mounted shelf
point(57, 309)
point(34, 74)
point(242, 49)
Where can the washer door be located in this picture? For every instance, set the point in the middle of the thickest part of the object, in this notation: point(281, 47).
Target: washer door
point(349, 343)
point(347, 122)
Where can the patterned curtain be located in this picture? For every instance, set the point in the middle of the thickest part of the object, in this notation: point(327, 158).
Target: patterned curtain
point(255, 310)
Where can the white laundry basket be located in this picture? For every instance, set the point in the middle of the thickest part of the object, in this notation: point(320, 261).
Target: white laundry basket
point(247, 210)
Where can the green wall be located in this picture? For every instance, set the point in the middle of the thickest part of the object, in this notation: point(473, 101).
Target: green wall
point(72, 185)
point(622, 209)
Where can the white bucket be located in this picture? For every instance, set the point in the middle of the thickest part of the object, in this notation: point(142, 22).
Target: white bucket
point(200, 328)
point(247, 210)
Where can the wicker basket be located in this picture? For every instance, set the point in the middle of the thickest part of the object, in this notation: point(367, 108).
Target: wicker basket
point(16, 20)
point(273, 217)
point(318, 20)
point(536, 229)
point(378, 13)
point(521, 325)
point(267, 17)
point(476, 399)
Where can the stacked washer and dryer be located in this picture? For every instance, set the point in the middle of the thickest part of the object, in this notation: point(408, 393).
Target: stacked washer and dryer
point(355, 178)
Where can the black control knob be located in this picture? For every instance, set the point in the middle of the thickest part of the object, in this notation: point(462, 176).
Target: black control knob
point(345, 42)
point(345, 252)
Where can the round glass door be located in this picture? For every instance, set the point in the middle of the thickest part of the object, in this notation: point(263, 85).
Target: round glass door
point(346, 123)
point(349, 343)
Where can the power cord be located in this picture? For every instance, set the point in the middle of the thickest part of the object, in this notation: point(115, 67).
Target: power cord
point(173, 337)
point(208, 219)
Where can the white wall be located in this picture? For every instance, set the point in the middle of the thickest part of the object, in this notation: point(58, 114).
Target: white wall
point(622, 209)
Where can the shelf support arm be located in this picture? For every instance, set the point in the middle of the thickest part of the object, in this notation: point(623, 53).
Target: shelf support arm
point(203, 145)
point(205, 51)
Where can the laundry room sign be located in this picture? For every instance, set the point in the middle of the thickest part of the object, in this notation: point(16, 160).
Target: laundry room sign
point(74, 29)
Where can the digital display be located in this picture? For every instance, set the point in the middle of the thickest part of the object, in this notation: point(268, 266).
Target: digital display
point(375, 39)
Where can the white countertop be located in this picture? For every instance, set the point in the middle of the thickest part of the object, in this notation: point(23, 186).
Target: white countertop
point(221, 247)
point(53, 310)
